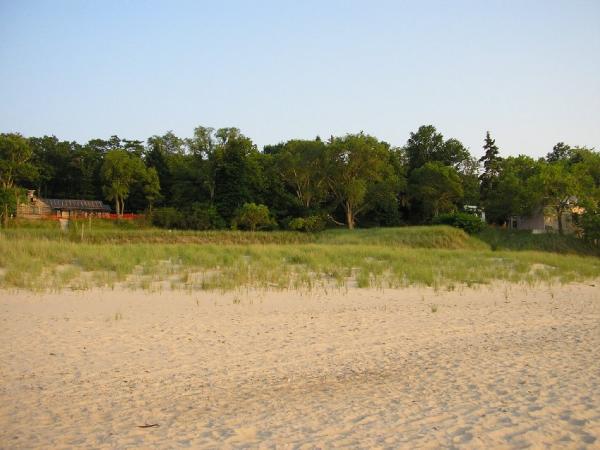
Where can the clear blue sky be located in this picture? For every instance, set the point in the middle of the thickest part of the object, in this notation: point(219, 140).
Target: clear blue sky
point(528, 71)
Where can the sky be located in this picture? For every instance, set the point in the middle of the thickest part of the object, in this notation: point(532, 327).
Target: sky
point(527, 71)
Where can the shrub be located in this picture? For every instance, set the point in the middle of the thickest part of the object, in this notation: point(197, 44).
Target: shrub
point(297, 224)
point(199, 216)
point(167, 218)
point(202, 216)
point(252, 216)
point(468, 222)
point(308, 224)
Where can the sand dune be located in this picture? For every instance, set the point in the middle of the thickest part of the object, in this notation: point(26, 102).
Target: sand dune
point(504, 367)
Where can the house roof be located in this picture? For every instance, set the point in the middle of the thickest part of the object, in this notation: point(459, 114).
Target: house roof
point(81, 205)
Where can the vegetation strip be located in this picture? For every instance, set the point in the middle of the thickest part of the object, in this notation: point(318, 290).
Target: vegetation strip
point(441, 256)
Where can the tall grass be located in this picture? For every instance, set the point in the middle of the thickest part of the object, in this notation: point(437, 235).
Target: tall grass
point(124, 232)
point(44, 258)
point(434, 237)
point(102, 231)
point(519, 240)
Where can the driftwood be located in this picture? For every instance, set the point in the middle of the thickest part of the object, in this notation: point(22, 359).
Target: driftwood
point(152, 425)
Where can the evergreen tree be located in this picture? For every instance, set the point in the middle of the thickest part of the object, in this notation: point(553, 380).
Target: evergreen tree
point(491, 167)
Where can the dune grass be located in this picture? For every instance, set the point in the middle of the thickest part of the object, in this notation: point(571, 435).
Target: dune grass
point(499, 239)
point(101, 232)
point(41, 258)
point(104, 231)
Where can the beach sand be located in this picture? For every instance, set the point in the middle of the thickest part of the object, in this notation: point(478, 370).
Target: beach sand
point(501, 366)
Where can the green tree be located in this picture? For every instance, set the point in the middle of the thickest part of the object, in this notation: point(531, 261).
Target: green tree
point(86, 163)
point(560, 152)
point(586, 169)
point(301, 164)
point(428, 145)
point(452, 153)
point(9, 200)
point(203, 142)
point(436, 187)
point(385, 197)
point(15, 156)
point(469, 175)
point(57, 175)
point(559, 187)
point(422, 146)
point(186, 180)
point(355, 163)
point(168, 143)
point(237, 172)
point(134, 147)
point(252, 216)
point(516, 191)
point(591, 227)
point(202, 147)
point(273, 189)
point(119, 171)
point(103, 146)
point(151, 187)
point(165, 153)
point(491, 167)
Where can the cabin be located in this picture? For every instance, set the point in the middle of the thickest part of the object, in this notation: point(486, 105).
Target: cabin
point(545, 220)
point(47, 208)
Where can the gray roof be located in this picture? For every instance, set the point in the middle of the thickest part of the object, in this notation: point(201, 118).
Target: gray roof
point(80, 205)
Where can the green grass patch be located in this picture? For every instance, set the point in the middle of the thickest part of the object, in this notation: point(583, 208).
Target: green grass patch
point(500, 239)
point(44, 258)
point(111, 232)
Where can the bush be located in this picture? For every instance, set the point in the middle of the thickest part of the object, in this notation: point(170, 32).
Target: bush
point(252, 217)
point(202, 216)
point(308, 224)
point(199, 216)
point(167, 218)
point(468, 222)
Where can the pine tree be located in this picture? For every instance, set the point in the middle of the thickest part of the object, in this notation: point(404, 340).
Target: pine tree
point(491, 167)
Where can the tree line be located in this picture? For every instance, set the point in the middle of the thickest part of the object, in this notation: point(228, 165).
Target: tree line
point(219, 178)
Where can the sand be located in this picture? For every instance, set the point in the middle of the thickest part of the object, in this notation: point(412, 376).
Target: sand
point(503, 366)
